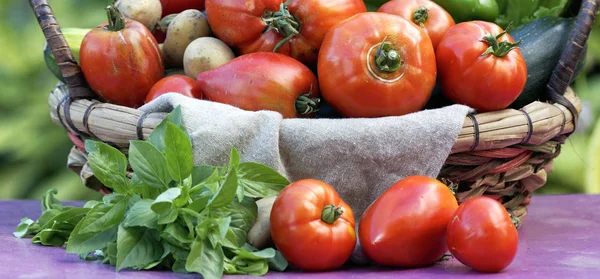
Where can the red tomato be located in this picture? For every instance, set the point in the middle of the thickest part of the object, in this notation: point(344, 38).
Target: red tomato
point(471, 75)
point(482, 236)
point(376, 64)
point(312, 227)
point(406, 225)
point(177, 6)
point(263, 81)
point(425, 14)
point(179, 84)
point(121, 60)
point(259, 25)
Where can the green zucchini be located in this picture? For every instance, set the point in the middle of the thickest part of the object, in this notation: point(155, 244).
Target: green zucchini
point(542, 43)
point(74, 37)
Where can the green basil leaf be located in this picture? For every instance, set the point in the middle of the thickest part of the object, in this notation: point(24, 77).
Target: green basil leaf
point(55, 235)
point(97, 229)
point(164, 201)
point(91, 204)
point(89, 242)
point(211, 183)
point(168, 216)
point(200, 202)
point(70, 215)
point(218, 230)
point(49, 201)
point(201, 173)
point(26, 227)
point(230, 240)
point(113, 198)
point(254, 268)
point(243, 216)
point(49, 215)
point(234, 158)
point(149, 164)
point(278, 263)
point(179, 266)
point(138, 247)
point(249, 254)
point(178, 152)
point(260, 181)
point(206, 260)
point(157, 137)
point(226, 192)
point(102, 217)
point(142, 189)
point(141, 215)
point(110, 253)
point(178, 233)
point(184, 197)
point(108, 164)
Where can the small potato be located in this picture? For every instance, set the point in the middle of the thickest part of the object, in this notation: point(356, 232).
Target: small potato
point(183, 29)
point(147, 12)
point(205, 54)
point(259, 235)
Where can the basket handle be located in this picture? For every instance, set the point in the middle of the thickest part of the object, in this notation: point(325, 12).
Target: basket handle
point(69, 68)
point(565, 70)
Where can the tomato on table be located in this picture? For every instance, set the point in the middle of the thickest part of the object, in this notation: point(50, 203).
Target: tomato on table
point(375, 65)
point(482, 235)
point(295, 27)
point(480, 65)
point(406, 225)
point(423, 13)
point(121, 60)
point(181, 84)
point(312, 227)
point(263, 81)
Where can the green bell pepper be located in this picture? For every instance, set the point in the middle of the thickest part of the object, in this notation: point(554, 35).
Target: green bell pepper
point(467, 10)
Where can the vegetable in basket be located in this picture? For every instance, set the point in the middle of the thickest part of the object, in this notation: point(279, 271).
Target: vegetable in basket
point(280, 84)
point(312, 227)
point(74, 37)
point(146, 12)
point(183, 85)
point(293, 27)
point(388, 68)
point(406, 225)
point(425, 14)
point(181, 31)
point(468, 10)
point(121, 60)
point(204, 54)
point(479, 65)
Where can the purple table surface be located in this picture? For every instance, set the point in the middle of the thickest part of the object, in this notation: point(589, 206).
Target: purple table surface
point(560, 239)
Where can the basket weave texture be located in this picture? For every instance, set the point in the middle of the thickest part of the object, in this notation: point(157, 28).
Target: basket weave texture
point(503, 154)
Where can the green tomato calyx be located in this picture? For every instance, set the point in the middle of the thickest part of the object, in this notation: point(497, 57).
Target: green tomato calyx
point(116, 21)
point(498, 49)
point(331, 213)
point(421, 15)
point(387, 59)
point(282, 22)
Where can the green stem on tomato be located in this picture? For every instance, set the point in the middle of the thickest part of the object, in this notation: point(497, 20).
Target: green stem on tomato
point(116, 21)
point(305, 104)
point(331, 213)
point(282, 22)
point(498, 49)
point(387, 59)
point(421, 15)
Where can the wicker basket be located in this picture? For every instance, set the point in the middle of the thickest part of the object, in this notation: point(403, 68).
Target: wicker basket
point(503, 154)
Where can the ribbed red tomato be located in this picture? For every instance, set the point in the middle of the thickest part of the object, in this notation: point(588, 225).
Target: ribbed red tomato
point(482, 236)
point(375, 65)
point(121, 60)
point(423, 13)
point(183, 85)
point(406, 225)
point(312, 227)
point(479, 65)
point(260, 25)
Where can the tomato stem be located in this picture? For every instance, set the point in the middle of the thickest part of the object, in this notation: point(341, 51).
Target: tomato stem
point(305, 104)
point(421, 15)
point(498, 49)
point(387, 59)
point(116, 21)
point(282, 22)
point(331, 213)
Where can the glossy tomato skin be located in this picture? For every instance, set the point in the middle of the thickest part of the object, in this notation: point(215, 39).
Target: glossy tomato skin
point(177, 6)
point(353, 90)
point(260, 81)
point(438, 21)
point(240, 24)
point(485, 83)
point(482, 236)
point(300, 234)
point(183, 85)
point(121, 66)
point(406, 225)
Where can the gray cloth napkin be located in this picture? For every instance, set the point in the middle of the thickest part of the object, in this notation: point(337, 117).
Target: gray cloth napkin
point(360, 158)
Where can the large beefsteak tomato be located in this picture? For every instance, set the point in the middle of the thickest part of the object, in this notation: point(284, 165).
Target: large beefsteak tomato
point(312, 227)
point(295, 28)
point(480, 66)
point(121, 60)
point(263, 81)
point(406, 225)
point(376, 64)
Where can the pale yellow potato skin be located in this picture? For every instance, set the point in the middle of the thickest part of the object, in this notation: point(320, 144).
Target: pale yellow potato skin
point(205, 54)
point(259, 235)
point(147, 12)
point(183, 29)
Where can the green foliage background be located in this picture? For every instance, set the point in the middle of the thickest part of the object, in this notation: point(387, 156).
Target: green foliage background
point(33, 151)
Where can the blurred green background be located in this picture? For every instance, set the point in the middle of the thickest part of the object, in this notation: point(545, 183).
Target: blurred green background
point(33, 151)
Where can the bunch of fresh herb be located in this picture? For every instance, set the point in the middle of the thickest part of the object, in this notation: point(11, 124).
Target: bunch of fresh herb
point(169, 214)
point(519, 12)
